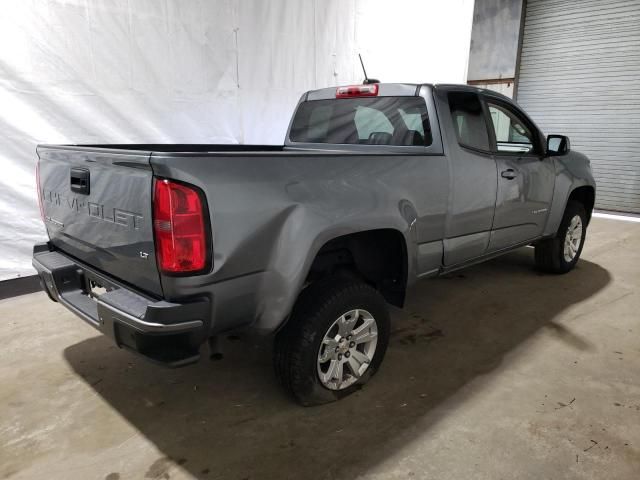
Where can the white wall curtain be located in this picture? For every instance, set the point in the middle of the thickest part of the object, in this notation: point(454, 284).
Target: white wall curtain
point(191, 71)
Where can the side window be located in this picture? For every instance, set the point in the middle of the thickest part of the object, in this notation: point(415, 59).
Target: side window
point(468, 120)
point(512, 134)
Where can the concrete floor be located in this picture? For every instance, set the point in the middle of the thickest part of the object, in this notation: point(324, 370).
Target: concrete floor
point(495, 372)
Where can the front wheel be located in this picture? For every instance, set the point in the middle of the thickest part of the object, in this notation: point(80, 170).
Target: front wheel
point(334, 341)
point(561, 253)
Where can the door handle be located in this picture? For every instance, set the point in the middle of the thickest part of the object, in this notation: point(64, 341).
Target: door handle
point(509, 174)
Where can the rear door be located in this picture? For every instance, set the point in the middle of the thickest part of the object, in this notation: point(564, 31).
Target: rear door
point(525, 178)
point(97, 207)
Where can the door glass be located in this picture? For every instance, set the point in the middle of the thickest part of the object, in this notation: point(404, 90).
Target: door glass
point(468, 120)
point(512, 135)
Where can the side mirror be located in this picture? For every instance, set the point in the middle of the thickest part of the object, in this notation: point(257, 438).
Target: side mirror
point(557, 145)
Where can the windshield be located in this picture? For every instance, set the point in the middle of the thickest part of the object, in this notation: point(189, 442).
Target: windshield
point(365, 121)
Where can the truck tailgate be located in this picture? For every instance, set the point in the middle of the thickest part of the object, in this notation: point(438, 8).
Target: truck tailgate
point(97, 207)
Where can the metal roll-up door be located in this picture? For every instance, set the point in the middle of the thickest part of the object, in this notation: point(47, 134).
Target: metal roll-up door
point(580, 76)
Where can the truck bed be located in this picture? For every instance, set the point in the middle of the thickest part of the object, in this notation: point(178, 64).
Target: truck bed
point(173, 147)
point(200, 149)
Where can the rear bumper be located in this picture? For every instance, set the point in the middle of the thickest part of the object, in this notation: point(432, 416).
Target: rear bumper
point(164, 332)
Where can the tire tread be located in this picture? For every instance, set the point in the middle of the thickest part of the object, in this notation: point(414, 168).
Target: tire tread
point(549, 252)
point(298, 334)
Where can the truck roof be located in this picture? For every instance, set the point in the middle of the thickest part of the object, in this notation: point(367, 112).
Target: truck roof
point(470, 88)
point(400, 90)
point(384, 90)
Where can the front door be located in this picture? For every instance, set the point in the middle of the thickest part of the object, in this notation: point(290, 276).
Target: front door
point(525, 177)
point(473, 171)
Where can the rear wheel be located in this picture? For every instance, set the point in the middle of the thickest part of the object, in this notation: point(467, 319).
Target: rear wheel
point(561, 253)
point(334, 341)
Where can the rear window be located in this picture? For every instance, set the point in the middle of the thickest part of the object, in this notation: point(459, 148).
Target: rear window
point(401, 121)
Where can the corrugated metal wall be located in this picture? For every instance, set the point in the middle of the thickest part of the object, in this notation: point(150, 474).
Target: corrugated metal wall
point(580, 76)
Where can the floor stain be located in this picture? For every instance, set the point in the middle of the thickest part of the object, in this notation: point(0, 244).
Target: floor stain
point(159, 470)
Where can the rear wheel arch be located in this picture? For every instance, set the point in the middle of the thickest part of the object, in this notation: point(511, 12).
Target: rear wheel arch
point(377, 256)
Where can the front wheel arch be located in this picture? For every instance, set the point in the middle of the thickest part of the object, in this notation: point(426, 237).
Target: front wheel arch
point(586, 196)
point(550, 255)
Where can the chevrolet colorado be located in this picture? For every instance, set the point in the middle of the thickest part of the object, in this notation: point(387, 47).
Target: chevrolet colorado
point(164, 247)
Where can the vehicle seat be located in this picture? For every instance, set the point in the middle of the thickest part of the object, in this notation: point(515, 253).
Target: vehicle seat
point(471, 129)
point(411, 138)
point(380, 138)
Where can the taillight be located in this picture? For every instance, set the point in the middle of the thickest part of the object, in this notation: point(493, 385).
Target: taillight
point(39, 189)
point(180, 228)
point(370, 90)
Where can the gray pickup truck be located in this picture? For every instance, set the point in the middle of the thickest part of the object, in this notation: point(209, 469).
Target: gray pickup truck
point(165, 247)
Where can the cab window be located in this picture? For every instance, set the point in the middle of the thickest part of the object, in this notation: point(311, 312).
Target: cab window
point(511, 132)
point(468, 120)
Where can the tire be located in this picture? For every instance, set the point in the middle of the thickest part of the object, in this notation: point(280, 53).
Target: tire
point(321, 311)
point(550, 254)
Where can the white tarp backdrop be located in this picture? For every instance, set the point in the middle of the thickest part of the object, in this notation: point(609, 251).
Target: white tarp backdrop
point(191, 71)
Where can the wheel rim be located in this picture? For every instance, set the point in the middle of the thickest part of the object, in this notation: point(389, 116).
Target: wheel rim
point(347, 349)
point(573, 238)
